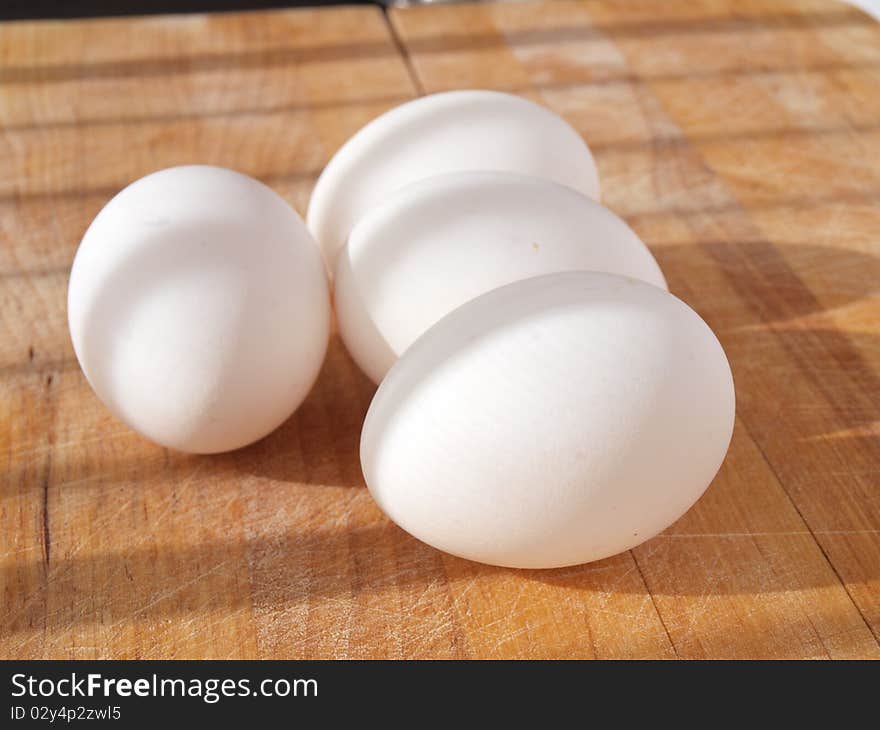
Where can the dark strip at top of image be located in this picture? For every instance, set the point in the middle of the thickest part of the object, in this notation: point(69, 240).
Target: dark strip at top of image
point(38, 9)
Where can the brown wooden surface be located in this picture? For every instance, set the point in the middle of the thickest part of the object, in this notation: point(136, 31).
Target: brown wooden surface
point(739, 138)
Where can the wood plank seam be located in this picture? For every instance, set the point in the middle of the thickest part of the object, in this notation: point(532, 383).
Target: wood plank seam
point(813, 534)
point(404, 53)
point(657, 610)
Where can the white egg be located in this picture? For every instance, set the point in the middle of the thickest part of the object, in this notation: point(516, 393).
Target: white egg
point(437, 243)
point(551, 422)
point(199, 308)
point(448, 132)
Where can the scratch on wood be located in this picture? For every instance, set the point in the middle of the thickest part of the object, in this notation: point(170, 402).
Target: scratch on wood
point(47, 537)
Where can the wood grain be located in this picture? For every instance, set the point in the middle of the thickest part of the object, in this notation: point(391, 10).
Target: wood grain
point(739, 138)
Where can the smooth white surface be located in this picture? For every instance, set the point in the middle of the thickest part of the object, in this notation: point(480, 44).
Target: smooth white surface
point(199, 308)
point(448, 132)
point(440, 242)
point(553, 421)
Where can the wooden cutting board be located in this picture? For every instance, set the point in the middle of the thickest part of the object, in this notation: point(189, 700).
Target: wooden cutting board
point(741, 140)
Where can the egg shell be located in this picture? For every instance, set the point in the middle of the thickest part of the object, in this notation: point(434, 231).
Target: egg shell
point(199, 308)
point(437, 243)
point(447, 132)
point(551, 422)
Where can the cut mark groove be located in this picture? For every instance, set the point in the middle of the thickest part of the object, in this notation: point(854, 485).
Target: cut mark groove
point(47, 537)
